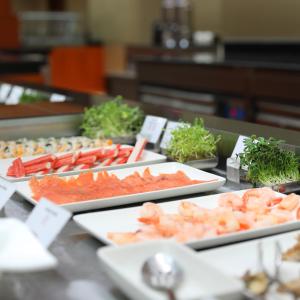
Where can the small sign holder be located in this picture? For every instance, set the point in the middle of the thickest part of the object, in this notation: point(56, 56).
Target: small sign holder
point(152, 130)
point(233, 162)
point(15, 95)
point(47, 220)
point(167, 136)
point(57, 98)
point(5, 89)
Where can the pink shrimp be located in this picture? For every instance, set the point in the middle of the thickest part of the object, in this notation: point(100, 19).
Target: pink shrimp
point(289, 202)
point(257, 206)
point(281, 215)
point(150, 213)
point(263, 195)
point(231, 200)
point(169, 224)
point(227, 223)
point(298, 213)
point(209, 231)
point(148, 232)
point(273, 202)
point(192, 212)
point(264, 220)
point(189, 232)
point(246, 220)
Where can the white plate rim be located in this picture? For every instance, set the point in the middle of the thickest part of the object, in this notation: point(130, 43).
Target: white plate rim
point(103, 255)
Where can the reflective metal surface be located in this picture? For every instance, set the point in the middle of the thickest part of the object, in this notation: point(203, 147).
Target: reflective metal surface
point(56, 126)
point(162, 272)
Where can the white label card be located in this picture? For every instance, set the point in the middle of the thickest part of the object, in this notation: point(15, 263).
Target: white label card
point(7, 189)
point(57, 98)
point(4, 91)
point(152, 128)
point(239, 146)
point(47, 220)
point(167, 134)
point(15, 95)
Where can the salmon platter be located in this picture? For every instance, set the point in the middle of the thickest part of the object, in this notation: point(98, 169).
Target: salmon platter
point(93, 190)
point(198, 222)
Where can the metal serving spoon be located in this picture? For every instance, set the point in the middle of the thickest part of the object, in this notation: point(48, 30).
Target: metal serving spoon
point(161, 272)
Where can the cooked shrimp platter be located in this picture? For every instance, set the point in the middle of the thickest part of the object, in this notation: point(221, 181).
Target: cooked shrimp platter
point(200, 222)
point(92, 190)
point(67, 163)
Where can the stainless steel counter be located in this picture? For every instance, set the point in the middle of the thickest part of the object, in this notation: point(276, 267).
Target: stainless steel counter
point(56, 126)
point(78, 276)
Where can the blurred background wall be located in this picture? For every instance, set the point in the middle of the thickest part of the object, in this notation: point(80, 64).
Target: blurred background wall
point(230, 18)
point(130, 24)
point(20, 5)
point(129, 21)
point(135, 17)
point(256, 18)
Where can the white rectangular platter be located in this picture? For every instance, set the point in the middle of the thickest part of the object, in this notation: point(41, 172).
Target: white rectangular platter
point(23, 188)
point(124, 220)
point(147, 158)
point(235, 260)
point(124, 265)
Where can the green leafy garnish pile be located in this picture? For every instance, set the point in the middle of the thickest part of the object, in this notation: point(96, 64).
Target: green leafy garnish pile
point(32, 97)
point(192, 142)
point(268, 163)
point(112, 119)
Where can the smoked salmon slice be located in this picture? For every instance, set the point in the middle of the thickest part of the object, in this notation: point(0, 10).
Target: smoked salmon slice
point(88, 186)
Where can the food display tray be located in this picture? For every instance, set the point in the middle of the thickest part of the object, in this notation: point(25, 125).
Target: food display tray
point(147, 158)
point(99, 224)
point(213, 183)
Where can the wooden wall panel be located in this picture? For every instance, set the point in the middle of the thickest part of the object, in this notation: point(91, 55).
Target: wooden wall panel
point(195, 77)
point(276, 84)
point(78, 68)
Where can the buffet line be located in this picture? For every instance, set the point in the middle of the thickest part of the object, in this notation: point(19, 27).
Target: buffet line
point(126, 157)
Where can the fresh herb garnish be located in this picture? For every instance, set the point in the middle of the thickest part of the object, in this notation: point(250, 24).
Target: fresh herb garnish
point(192, 142)
point(112, 119)
point(268, 163)
point(32, 97)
